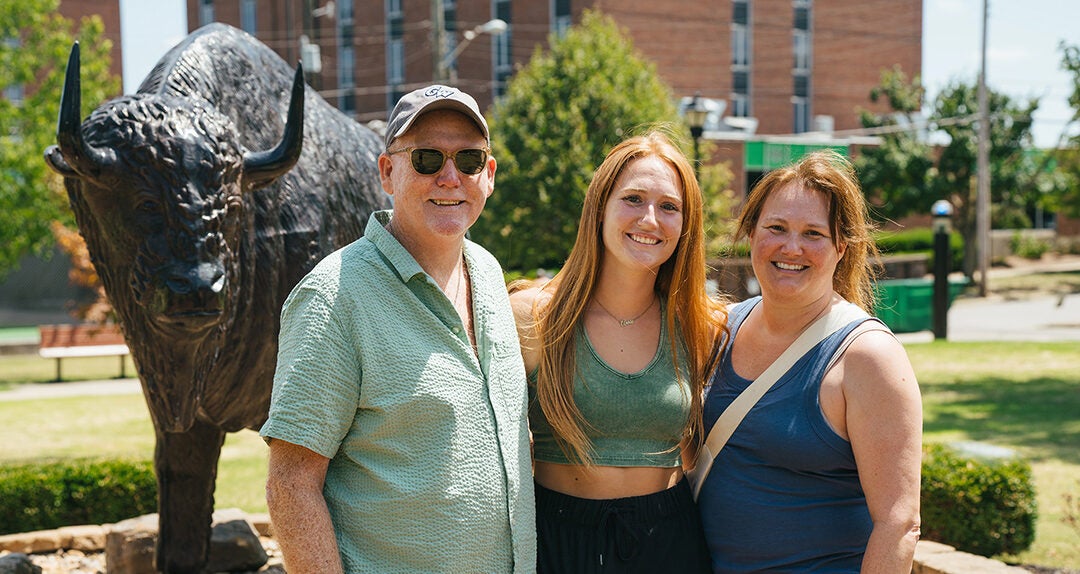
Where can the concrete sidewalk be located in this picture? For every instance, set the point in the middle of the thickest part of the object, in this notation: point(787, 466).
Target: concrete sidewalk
point(1043, 318)
point(72, 389)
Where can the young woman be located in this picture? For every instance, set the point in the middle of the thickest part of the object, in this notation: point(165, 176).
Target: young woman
point(823, 473)
point(617, 346)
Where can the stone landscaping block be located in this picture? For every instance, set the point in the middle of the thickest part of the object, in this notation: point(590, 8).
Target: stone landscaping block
point(87, 538)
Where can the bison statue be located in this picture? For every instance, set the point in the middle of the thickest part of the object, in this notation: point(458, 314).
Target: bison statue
point(203, 199)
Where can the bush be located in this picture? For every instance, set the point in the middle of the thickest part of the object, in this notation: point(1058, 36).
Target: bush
point(985, 507)
point(50, 495)
point(920, 241)
point(1028, 247)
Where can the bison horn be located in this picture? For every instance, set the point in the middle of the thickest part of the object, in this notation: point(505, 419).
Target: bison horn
point(75, 157)
point(262, 167)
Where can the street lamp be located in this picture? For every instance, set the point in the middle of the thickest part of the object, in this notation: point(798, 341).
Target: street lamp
point(446, 71)
point(695, 113)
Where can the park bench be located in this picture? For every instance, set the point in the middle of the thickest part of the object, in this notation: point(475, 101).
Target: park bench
point(63, 341)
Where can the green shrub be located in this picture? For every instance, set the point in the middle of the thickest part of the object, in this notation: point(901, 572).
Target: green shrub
point(1028, 247)
point(985, 507)
point(50, 495)
point(920, 240)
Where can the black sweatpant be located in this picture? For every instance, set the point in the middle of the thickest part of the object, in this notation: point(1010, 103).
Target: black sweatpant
point(658, 532)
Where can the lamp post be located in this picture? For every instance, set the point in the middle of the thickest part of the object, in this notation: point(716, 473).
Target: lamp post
point(941, 211)
point(695, 114)
point(445, 71)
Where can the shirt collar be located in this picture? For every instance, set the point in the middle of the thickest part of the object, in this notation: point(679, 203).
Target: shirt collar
point(400, 259)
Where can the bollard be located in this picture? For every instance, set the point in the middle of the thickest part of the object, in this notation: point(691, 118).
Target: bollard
point(941, 211)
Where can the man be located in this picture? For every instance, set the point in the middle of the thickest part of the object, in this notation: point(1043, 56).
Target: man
point(398, 432)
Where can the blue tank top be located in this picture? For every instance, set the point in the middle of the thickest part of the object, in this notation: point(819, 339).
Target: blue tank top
point(634, 419)
point(784, 493)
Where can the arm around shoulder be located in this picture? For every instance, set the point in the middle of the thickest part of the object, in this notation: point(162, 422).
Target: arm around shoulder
point(526, 304)
point(298, 510)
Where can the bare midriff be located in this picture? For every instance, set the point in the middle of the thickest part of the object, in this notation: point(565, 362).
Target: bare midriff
point(605, 482)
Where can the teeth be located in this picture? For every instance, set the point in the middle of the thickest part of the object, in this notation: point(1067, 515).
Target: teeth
point(790, 267)
point(444, 202)
point(643, 239)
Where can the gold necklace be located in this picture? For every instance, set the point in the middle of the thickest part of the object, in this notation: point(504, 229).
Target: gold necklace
point(625, 322)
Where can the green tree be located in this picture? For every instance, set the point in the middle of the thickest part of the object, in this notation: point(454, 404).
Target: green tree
point(906, 174)
point(1067, 157)
point(34, 45)
point(562, 113)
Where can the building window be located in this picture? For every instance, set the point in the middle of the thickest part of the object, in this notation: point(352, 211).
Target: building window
point(800, 108)
point(561, 18)
point(206, 12)
point(395, 62)
point(740, 106)
point(740, 58)
point(503, 61)
point(247, 16)
point(800, 74)
point(450, 37)
point(346, 57)
point(801, 47)
point(395, 52)
point(14, 93)
point(740, 45)
point(346, 79)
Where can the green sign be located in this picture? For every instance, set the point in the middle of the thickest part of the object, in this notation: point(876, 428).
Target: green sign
point(765, 156)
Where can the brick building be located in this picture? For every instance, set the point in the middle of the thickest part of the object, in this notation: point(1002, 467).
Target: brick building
point(109, 12)
point(785, 75)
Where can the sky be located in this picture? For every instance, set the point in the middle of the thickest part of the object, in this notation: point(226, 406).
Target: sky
point(1023, 59)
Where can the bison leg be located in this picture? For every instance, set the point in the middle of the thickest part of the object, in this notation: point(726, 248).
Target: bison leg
point(186, 465)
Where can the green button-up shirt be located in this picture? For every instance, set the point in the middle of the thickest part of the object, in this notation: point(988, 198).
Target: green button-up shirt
point(428, 440)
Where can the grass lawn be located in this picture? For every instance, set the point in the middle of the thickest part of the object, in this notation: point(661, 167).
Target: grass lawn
point(1024, 396)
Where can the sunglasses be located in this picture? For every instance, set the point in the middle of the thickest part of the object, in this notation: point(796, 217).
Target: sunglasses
point(428, 161)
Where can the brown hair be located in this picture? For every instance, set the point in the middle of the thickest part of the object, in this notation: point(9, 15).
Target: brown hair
point(833, 175)
point(680, 282)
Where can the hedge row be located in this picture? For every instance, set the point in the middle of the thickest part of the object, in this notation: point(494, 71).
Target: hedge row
point(986, 507)
point(50, 495)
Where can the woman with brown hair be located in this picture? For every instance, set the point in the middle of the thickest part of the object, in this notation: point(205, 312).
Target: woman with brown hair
point(617, 346)
point(822, 474)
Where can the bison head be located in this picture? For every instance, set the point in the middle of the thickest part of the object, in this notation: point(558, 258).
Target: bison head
point(159, 185)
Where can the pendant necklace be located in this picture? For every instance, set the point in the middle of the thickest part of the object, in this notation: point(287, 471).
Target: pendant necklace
point(625, 322)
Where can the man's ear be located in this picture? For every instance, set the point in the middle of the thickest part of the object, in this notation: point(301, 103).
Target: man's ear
point(492, 166)
point(386, 169)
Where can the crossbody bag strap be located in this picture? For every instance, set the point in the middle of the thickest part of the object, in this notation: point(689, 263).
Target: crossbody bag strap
point(831, 322)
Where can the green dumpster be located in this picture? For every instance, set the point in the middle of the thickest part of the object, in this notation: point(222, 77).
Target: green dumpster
point(907, 305)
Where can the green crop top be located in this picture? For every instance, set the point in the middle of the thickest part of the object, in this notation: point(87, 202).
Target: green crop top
point(637, 419)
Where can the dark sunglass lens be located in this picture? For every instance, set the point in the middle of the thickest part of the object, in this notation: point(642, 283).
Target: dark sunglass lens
point(427, 161)
point(470, 161)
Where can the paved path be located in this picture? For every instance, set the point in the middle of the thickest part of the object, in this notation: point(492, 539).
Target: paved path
point(1042, 318)
point(72, 389)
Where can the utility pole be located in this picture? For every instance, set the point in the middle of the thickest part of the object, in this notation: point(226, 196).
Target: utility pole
point(982, 198)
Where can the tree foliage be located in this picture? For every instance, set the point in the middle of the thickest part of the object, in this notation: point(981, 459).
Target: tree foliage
point(906, 174)
point(562, 113)
point(1067, 157)
point(34, 44)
